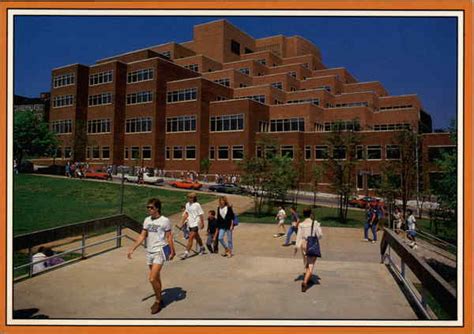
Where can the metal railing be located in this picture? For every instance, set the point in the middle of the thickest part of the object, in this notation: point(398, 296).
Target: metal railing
point(431, 281)
point(84, 230)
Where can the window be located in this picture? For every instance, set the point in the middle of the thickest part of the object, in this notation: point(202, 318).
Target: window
point(137, 125)
point(292, 74)
point(223, 153)
point(135, 152)
point(100, 99)
point(277, 85)
point(63, 80)
point(244, 70)
point(262, 61)
point(339, 153)
point(181, 124)
point(187, 94)
point(88, 152)
point(98, 126)
point(100, 78)
point(105, 152)
point(360, 181)
point(139, 97)
point(140, 75)
point(350, 105)
point(352, 125)
point(292, 89)
point(258, 98)
point(146, 152)
point(221, 98)
point(166, 54)
point(223, 82)
point(212, 153)
point(312, 101)
point(287, 150)
point(360, 152)
point(237, 152)
point(227, 123)
point(287, 125)
point(62, 127)
point(307, 152)
point(374, 181)
point(63, 101)
point(191, 152)
point(125, 153)
point(235, 47)
point(258, 152)
point(95, 152)
point(247, 50)
point(396, 107)
point(394, 181)
point(167, 153)
point(321, 152)
point(318, 127)
point(437, 152)
point(177, 152)
point(192, 67)
point(391, 127)
point(393, 152)
point(67, 152)
point(374, 152)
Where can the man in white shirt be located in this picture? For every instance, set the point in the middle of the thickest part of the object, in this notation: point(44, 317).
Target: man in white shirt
point(195, 217)
point(411, 233)
point(280, 218)
point(160, 246)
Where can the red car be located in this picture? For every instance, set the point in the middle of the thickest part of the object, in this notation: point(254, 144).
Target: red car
point(363, 202)
point(97, 174)
point(186, 184)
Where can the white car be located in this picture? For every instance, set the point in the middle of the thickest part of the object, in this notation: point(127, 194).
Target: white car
point(147, 178)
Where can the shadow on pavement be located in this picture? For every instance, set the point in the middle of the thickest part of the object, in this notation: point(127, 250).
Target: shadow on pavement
point(169, 296)
point(28, 313)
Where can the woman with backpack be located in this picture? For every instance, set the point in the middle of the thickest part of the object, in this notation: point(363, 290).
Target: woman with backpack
point(307, 240)
point(225, 223)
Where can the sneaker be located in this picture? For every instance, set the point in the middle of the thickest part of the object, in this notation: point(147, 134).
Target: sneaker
point(184, 256)
point(286, 245)
point(365, 239)
point(276, 235)
point(411, 244)
point(373, 241)
point(415, 246)
point(202, 251)
point(155, 308)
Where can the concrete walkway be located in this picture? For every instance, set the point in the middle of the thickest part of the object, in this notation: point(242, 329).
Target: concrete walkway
point(262, 281)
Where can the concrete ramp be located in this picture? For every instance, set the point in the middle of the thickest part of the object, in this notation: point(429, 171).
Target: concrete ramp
point(262, 281)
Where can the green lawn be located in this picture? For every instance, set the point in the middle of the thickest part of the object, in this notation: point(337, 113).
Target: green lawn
point(42, 202)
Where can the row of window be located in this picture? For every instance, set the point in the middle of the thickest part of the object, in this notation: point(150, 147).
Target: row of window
point(96, 152)
point(224, 152)
point(63, 80)
point(134, 153)
point(187, 94)
point(312, 101)
point(100, 78)
point(63, 101)
point(370, 152)
point(227, 123)
point(391, 127)
point(180, 152)
point(396, 107)
point(192, 67)
point(98, 126)
point(258, 98)
point(224, 82)
point(349, 105)
point(62, 126)
point(181, 124)
point(139, 97)
point(100, 99)
point(341, 126)
point(138, 125)
point(64, 153)
point(140, 75)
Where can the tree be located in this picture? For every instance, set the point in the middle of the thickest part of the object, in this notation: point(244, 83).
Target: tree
point(341, 164)
point(205, 165)
point(316, 176)
point(283, 177)
point(31, 136)
point(256, 176)
point(390, 188)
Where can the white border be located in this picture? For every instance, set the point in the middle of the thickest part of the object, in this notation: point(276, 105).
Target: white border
point(215, 13)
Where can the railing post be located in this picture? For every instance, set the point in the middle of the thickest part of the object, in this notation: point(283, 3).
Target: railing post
point(83, 245)
point(119, 236)
point(30, 257)
point(402, 268)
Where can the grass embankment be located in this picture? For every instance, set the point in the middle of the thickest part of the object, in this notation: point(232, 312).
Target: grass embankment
point(42, 202)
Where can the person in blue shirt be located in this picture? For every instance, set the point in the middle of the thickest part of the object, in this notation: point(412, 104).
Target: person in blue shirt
point(370, 223)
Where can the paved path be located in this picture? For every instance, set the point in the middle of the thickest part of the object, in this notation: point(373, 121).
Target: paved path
point(261, 282)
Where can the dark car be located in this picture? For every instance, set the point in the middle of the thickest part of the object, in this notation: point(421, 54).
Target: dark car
point(229, 188)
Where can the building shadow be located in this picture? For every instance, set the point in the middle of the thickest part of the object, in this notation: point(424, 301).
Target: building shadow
point(29, 313)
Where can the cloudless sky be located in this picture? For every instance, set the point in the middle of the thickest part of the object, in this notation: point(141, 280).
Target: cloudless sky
point(407, 55)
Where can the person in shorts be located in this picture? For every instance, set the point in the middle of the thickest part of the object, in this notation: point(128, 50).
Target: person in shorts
point(195, 217)
point(280, 218)
point(160, 246)
point(411, 232)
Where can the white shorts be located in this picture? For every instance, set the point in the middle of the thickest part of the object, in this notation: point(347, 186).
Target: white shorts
point(155, 258)
point(281, 222)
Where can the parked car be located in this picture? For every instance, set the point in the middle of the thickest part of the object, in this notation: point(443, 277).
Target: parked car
point(98, 174)
point(147, 178)
point(362, 202)
point(229, 188)
point(186, 184)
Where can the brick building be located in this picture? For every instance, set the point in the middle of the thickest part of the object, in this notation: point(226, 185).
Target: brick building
point(172, 105)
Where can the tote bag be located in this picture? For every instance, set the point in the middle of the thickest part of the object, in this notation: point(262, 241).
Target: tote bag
point(312, 244)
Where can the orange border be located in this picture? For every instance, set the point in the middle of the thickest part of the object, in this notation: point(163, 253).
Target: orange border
point(465, 5)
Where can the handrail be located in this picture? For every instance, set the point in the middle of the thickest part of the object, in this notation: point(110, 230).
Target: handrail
point(444, 293)
point(441, 241)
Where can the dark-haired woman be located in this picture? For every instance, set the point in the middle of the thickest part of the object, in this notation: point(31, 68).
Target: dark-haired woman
point(225, 223)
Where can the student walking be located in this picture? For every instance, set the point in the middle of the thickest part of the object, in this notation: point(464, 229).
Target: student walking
point(371, 224)
point(280, 218)
point(195, 217)
point(225, 223)
point(411, 233)
point(160, 247)
point(309, 227)
point(212, 243)
point(397, 220)
point(295, 221)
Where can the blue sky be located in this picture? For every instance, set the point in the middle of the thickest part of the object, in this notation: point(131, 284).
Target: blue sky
point(407, 55)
